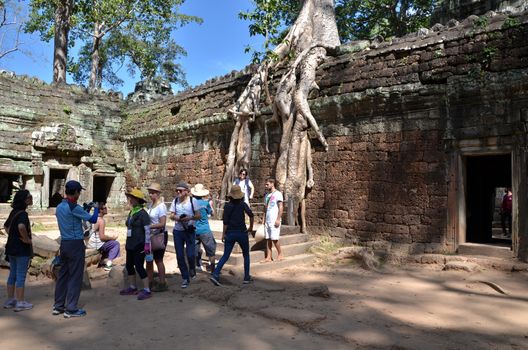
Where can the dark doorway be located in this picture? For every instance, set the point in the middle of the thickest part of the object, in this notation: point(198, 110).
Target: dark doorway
point(101, 187)
point(56, 186)
point(485, 175)
point(6, 186)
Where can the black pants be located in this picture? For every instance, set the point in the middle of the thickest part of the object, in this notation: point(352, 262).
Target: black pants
point(135, 261)
point(69, 282)
point(506, 217)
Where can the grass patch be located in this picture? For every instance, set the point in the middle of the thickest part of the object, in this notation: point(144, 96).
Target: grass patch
point(37, 227)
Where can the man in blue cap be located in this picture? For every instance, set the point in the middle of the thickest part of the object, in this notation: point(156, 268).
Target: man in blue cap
point(72, 251)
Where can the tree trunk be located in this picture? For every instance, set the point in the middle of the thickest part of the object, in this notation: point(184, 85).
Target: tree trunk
point(92, 84)
point(60, 50)
point(313, 32)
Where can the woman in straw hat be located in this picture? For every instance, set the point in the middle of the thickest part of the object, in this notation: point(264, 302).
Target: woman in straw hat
point(158, 218)
point(137, 244)
point(203, 230)
point(235, 231)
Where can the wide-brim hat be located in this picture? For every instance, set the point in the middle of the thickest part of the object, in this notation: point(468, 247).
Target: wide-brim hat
point(199, 190)
point(136, 193)
point(182, 185)
point(236, 192)
point(154, 187)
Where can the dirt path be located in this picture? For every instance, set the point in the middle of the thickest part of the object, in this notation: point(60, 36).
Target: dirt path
point(416, 308)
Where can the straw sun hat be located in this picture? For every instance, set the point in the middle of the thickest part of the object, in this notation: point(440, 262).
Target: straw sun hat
point(236, 192)
point(154, 187)
point(136, 193)
point(199, 190)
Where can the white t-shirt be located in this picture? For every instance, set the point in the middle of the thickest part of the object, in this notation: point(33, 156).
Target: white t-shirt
point(245, 189)
point(156, 213)
point(272, 206)
point(185, 208)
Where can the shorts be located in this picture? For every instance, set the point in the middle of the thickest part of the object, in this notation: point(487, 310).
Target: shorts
point(271, 232)
point(209, 243)
point(159, 254)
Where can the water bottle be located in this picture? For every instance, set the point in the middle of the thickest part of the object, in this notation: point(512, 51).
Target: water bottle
point(149, 257)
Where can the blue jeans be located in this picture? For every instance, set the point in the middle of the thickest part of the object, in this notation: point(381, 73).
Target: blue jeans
point(18, 267)
point(69, 282)
point(230, 239)
point(185, 242)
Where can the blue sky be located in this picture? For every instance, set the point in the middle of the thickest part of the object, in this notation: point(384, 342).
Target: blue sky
point(214, 48)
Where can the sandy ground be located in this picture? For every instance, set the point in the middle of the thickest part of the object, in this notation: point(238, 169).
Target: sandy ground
point(415, 307)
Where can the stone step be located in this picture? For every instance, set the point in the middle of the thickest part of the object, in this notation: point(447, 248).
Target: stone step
point(485, 249)
point(258, 255)
point(257, 269)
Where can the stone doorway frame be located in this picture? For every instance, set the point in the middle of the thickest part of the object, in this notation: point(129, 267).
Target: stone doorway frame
point(456, 222)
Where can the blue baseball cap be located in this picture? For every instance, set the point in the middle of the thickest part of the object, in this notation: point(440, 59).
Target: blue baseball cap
point(73, 185)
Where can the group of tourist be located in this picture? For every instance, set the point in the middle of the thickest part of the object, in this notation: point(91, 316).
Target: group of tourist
point(146, 238)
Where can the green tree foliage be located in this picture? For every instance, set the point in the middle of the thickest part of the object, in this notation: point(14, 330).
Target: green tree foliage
point(356, 19)
point(117, 33)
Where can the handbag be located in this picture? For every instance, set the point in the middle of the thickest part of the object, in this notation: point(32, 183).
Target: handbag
point(157, 241)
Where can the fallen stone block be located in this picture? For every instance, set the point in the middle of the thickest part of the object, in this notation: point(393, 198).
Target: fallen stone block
point(44, 246)
point(461, 266)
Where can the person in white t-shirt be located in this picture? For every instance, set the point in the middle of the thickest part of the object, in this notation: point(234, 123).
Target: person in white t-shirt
point(185, 210)
point(157, 211)
point(245, 185)
point(272, 220)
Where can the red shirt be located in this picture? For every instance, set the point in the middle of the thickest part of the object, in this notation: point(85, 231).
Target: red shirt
point(507, 203)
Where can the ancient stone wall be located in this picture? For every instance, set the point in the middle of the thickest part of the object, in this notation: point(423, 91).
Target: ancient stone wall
point(397, 116)
point(66, 130)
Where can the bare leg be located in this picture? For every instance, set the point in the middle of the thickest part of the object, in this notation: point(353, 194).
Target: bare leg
point(267, 254)
point(279, 250)
point(161, 270)
point(19, 294)
point(10, 291)
point(150, 272)
point(132, 281)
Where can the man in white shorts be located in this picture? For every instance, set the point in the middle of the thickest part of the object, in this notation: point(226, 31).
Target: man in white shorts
point(272, 220)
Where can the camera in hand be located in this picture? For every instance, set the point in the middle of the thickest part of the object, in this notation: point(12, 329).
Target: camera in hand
point(185, 224)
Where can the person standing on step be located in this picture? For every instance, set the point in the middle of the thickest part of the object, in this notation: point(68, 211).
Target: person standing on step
point(204, 235)
point(72, 250)
point(18, 251)
point(185, 210)
point(137, 244)
point(272, 220)
point(235, 231)
point(158, 219)
point(506, 212)
point(245, 185)
point(107, 245)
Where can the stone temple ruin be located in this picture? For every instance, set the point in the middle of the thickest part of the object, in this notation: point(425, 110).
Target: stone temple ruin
point(423, 131)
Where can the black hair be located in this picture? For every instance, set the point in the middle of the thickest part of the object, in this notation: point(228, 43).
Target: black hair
point(19, 201)
point(273, 181)
point(71, 191)
point(243, 170)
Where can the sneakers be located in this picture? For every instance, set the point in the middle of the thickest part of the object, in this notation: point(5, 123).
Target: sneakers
point(185, 284)
point(108, 267)
point(144, 295)
point(57, 311)
point(10, 303)
point(199, 268)
point(248, 281)
point(78, 313)
point(192, 273)
point(215, 281)
point(160, 287)
point(128, 291)
point(23, 305)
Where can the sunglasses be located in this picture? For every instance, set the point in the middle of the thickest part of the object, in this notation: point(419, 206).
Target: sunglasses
point(243, 174)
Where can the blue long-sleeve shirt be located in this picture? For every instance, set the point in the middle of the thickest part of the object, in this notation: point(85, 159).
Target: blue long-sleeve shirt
point(70, 216)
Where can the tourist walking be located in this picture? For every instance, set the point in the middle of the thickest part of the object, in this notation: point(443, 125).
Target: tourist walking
point(72, 251)
point(157, 211)
point(203, 230)
point(245, 185)
point(185, 210)
point(137, 244)
point(99, 239)
point(272, 220)
point(235, 231)
point(18, 251)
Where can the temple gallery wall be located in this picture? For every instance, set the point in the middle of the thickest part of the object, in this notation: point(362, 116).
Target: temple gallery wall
point(422, 131)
